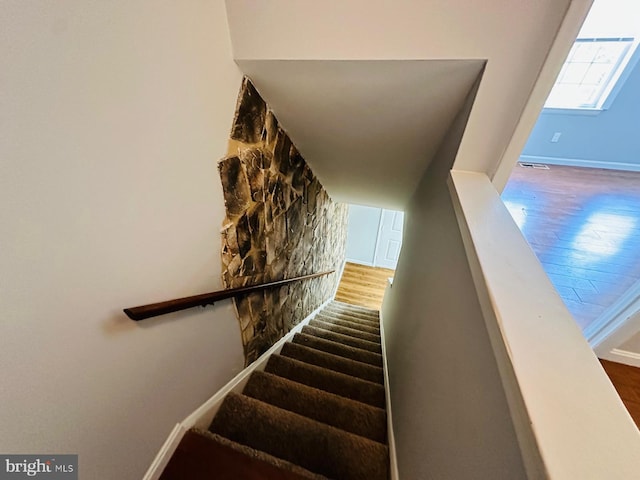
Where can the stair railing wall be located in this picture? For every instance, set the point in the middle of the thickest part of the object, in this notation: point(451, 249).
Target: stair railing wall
point(565, 411)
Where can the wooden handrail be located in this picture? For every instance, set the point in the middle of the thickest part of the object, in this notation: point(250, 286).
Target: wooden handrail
point(169, 306)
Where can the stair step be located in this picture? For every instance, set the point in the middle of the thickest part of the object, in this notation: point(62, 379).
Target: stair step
point(350, 318)
point(313, 445)
point(364, 312)
point(204, 455)
point(322, 322)
point(348, 324)
point(331, 346)
point(359, 308)
point(333, 362)
point(355, 299)
point(327, 380)
point(343, 339)
point(368, 312)
point(340, 412)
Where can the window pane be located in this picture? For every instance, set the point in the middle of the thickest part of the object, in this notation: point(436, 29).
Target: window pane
point(587, 96)
point(585, 52)
point(590, 67)
point(597, 74)
point(609, 52)
point(575, 73)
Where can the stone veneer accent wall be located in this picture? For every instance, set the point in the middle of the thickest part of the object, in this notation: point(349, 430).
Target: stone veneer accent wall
point(280, 224)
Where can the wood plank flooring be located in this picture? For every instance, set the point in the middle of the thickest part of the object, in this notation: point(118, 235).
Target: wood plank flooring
point(626, 380)
point(584, 226)
point(362, 285)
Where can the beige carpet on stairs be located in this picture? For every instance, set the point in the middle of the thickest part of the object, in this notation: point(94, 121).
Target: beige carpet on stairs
point(317, 411)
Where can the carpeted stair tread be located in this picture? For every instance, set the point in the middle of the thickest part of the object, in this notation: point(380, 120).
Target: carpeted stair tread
point(312, 445)
point(336, 348)
point(327, 380)
point(356, 308)
point(352, 332)
point(203, 455)
point(371, 322)
point(333, 362)
point(325, 407)
point(352, 306)
point(316, 412)
point(357, 325)
point(343, 339)
point(349, 318)
point(362, 314)
point(372, 334)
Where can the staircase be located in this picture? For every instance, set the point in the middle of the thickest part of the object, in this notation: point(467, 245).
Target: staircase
point(316, 411)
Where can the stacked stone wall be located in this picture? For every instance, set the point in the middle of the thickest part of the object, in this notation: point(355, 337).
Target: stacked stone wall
point(280, 224)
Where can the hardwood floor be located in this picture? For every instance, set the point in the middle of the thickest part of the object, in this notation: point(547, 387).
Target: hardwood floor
point(584, 226)
point(626, 380)
point(362, 285)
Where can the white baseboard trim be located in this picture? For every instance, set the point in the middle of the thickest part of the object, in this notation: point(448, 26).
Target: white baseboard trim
point(616, 324)
point(166, 451)
point(623, 356)
point(204, 414)
point(391, 440)
point(579, 162)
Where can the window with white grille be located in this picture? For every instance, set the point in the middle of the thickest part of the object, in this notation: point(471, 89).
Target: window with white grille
point(590, 73)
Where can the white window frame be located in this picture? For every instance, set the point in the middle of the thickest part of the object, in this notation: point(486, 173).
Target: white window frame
point(610, 87)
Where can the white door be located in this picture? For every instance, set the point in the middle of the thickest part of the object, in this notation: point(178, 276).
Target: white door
point(389, 239)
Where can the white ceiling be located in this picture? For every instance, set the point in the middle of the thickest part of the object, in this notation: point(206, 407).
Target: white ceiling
point(368, 129)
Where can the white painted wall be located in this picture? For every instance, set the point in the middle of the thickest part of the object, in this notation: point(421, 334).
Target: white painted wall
point(362, 233)
point(514, 36)
point(450, 414)
point(113, 117)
